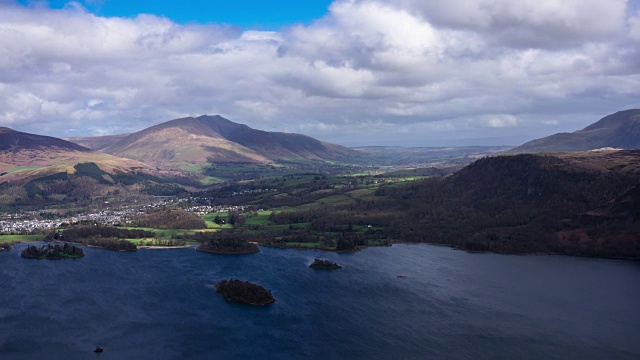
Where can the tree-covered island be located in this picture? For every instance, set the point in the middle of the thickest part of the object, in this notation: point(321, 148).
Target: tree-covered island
point(324, 265)
point(229, 246)
point(54, 252)
point(244, 292)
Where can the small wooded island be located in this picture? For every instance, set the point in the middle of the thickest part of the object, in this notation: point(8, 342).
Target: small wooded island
point(228, 246)
point(5, 246)
point(325, 265)
point(55, 252)
point(244, 292)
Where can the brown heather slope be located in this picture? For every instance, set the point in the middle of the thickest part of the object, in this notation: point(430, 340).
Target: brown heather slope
point(24, 156)
point(214, 139)
point(620, 130)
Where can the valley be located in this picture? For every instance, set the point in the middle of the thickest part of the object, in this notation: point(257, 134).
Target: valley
point(334, 179)
point(481, 199)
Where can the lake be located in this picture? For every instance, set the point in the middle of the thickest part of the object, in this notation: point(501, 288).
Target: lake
point(161, 304)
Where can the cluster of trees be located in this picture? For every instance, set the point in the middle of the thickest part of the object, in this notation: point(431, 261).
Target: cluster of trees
point(52, 252)
point(226, 245)
point(79, 232)
point(109, 243)
point(160, 242)
point(171, 219)
point(324, 265)
point(5, 246)
point(244, 292)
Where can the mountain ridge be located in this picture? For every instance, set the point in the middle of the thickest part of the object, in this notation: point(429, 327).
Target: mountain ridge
point(13, 140)
point(618, 130)
point(214, 139)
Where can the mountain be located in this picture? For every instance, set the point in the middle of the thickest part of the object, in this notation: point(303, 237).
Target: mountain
point(620, 130)
point(189, 142)
point(24, 156)
point(42, 170)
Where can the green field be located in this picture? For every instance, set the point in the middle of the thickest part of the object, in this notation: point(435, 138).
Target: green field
point(21, 168)
point(208, 180)
point(208, 218)
point(166, 233)
point(20, 238)
point(261, 219)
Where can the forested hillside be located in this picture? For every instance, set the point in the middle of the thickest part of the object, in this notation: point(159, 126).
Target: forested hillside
point(578, 204)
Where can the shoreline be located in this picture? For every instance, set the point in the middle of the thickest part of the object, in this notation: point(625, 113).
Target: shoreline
point(148, 247)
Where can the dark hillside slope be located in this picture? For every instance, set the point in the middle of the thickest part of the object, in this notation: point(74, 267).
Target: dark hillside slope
point(15, 140)
point(620, 130)
point(518, 204)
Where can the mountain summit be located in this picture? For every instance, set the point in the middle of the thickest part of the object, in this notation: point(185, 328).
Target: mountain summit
point(620, 130)
point(214, 139)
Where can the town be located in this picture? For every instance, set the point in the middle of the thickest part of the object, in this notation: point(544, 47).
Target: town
point(34, 221)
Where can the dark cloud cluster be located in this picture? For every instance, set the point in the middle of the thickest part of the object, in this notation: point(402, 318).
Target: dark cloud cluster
point(412, 72)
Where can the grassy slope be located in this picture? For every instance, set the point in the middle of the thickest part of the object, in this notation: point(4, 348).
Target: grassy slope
point(175, 147)
point(30, 163)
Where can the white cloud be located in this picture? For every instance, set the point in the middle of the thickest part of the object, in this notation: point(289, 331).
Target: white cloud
point(392, 69)
point(526, 23)
point(634, 26)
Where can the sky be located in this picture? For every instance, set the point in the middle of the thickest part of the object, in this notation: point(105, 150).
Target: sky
point(353, 72)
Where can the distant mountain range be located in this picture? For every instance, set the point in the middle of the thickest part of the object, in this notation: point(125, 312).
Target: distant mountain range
point(183, 143)
point(620, 130)
point(193, 144)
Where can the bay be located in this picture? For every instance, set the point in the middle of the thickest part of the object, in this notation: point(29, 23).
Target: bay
point(161, 304)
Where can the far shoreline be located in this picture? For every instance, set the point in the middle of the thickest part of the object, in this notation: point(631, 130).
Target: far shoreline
point(147, 247)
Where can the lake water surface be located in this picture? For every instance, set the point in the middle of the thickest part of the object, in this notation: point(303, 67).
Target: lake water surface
point(161, 304)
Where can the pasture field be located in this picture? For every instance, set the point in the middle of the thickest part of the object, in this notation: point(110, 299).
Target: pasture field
point(20, 238)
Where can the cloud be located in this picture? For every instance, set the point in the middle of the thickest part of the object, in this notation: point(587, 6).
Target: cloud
point(395, 70)
point(526, 23)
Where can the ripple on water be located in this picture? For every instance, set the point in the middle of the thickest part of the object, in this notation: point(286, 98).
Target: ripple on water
point(163, 305)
